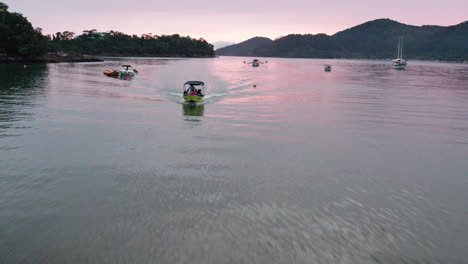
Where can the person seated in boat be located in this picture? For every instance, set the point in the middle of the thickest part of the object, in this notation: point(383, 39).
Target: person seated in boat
point(188, 91)
point(192, 90)
point(199, 93)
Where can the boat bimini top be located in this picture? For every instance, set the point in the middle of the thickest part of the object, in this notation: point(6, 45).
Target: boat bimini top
point(126, 67)
point(194, 84)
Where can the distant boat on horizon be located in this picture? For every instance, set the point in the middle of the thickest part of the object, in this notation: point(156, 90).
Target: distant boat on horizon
point(399, 63)
point(255, 62)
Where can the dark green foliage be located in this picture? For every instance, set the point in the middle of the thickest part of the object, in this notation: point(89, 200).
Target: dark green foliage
point(3, 7)
point(116, 43)
point(18, 38)
point(306, 46)
point(376, 39)
point(248, 47)
point(17, 35)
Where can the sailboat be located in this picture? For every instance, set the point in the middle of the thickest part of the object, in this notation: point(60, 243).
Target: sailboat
point(399, 62)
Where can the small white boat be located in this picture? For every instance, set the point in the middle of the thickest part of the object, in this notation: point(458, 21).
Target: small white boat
point(399, 63)
point(127, 70)
point(327, 67)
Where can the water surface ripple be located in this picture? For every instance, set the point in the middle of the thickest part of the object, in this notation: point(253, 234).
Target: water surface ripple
point(363, 164)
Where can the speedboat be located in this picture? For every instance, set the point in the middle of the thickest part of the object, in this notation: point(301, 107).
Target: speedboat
point(327, 67)
point(399, 63)
point(194, 91)
point(111, 73)
point(127, 70)
point(255, 62)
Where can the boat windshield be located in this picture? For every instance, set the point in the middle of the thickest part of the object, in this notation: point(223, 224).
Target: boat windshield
point(126, 68)
point(197, 88)
point(192, 86)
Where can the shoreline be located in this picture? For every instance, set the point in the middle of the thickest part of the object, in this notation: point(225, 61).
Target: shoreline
point(50, 58)
point(110, 55)
point(54, 58)
point(318, 58)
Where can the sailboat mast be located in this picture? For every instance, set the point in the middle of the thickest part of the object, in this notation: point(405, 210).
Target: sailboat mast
point(401, 52)
point(398, 51)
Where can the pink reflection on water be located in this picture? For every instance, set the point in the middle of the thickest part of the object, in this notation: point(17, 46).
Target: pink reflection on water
point(281, 80)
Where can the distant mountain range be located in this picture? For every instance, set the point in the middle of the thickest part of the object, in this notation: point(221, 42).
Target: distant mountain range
point(222, 44)
point(377, 39)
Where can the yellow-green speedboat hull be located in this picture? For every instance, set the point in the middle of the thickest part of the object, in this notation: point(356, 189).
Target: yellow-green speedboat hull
point(193, 98)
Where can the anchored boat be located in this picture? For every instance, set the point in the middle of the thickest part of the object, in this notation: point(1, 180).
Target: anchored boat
point(255, 62)
point(327, 67)
point(194, 91)
point(127, 70)
point(111, 73)
point(399, 63)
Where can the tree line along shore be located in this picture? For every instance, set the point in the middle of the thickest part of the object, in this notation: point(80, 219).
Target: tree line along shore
point(377, 39)
point(21, 42)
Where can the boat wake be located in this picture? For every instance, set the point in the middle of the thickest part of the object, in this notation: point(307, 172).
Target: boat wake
point(209, 98)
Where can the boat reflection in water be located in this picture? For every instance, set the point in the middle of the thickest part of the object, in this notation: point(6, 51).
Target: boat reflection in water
point(125, 77)
point(193, 113)
point(193, 109)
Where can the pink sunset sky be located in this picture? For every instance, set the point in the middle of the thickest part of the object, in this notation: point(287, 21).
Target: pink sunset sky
point(233, 21)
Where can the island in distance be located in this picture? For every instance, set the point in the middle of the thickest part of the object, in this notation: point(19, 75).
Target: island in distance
point(20, 41)
point(375, 39)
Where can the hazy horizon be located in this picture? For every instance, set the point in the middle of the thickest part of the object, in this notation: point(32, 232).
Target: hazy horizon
point(231, 22)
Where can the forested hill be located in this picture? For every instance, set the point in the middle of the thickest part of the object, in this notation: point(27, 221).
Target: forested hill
point(377, 39)
point(20, 40)
point(246, 48)
point(116, 43)
point(18, 37)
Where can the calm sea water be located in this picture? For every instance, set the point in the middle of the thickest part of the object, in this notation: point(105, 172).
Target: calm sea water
point(363, 164)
